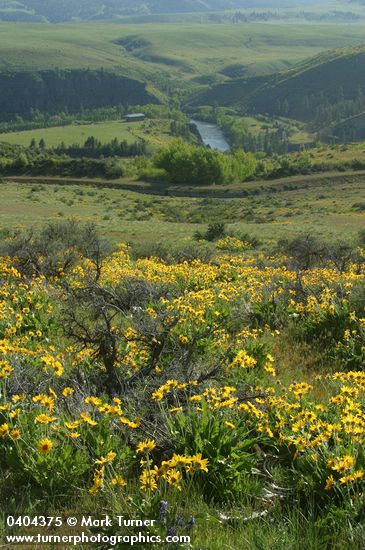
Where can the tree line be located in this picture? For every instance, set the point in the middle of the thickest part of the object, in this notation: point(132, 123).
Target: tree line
point(180, 163)
point(94, 148)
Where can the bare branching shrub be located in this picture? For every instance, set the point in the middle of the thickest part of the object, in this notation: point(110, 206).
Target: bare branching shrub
point(306, 251)
point(56, 248)
point(342, 254)
point(95, 317)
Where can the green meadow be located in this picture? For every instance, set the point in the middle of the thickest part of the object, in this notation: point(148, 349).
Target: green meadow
point(155, 132)
point(281, 209)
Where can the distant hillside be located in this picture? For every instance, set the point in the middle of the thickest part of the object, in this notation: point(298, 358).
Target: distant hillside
point(54, 91)
point(325, 80)
point(331, 81)
point(179, 60)
point(55, 11)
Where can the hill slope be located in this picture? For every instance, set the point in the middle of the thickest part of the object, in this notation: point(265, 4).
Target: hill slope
point(326, 80)
point(166, 58)
point(73, 90)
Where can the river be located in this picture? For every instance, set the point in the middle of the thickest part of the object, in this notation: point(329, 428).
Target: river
point(212, 135)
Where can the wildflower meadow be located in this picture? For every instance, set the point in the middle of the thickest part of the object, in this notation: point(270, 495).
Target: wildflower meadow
point(222, 398)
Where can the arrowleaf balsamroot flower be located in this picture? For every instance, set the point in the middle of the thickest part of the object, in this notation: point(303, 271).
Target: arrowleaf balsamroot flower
point(45, 419)
point(148, 480)
point(45, 446)
point(15, 434)
point(329, 483)
point(341, 464)
point(119, 481)
point(146, 446)
point(106, 459)
point(4, 430)
point(198, 463)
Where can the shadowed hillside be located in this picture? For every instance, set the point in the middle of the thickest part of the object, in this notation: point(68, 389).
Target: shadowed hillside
point(327, 80)
point(54, 91)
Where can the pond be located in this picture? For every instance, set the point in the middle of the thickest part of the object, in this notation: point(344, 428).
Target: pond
point(212, 135)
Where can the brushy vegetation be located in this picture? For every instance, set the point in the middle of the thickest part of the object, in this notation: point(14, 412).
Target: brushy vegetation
point(158, 222)
point(184, 163)
point(163, 386)
point(177, 160)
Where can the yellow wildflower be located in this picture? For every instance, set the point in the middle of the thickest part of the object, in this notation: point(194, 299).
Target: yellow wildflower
point(146, 446)
point(45, 419)
point(119, 481)
point(45, 446)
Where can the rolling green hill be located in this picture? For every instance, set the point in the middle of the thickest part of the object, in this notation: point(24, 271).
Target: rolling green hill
point(326, 77)
point(330, 79)
point(159, 60)
point(65, 10)
point(205, 49)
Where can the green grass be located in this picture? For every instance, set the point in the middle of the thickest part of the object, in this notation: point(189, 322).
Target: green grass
point(339, 153)
point(296, 132)
point(325, 207)
point(335, 154)
point(155, 132)
point(171, 52)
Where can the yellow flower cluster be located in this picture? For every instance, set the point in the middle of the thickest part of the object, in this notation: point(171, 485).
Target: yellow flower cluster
point(171, 471)
point(232, 244)
point(243, 360)
point(169, 386)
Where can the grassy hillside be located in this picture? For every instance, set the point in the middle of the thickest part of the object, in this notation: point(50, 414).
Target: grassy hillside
point(55, 91)
point(325, 74)
point(337, 153)
point(83, 46)
point(326, 79)
point(349, 130)
point(193, 50)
